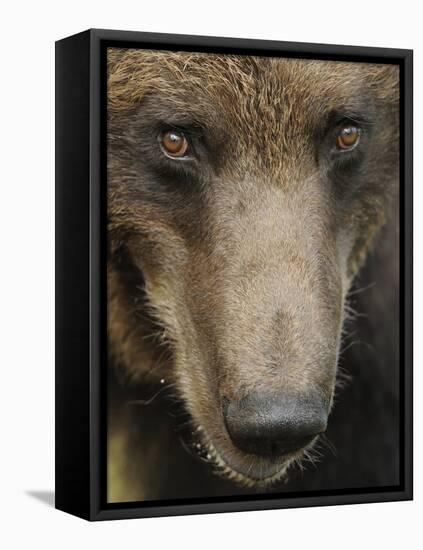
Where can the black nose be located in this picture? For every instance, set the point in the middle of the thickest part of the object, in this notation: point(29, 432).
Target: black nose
point(273, 424)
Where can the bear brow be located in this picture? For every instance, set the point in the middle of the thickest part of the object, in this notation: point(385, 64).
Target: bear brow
point(363, 115)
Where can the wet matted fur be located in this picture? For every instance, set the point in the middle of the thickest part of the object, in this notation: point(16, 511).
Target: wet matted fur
point(232, 271)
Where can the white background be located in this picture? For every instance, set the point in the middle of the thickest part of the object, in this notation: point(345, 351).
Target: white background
point(27, 36)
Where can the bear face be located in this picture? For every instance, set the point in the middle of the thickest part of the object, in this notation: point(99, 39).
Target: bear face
point(243, 196)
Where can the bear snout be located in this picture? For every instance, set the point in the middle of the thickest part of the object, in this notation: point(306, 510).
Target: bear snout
point(272, 424)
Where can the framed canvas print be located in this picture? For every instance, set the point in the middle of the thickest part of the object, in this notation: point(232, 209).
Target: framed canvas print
point(233, 274)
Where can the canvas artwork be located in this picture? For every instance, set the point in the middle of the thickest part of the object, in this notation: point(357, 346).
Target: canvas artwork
point(233, 274)
point(253, 259)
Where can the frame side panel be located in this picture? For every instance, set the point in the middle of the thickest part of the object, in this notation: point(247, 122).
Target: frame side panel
point(72, 275)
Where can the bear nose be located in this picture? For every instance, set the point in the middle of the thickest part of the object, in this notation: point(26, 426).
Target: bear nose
point(273, 424)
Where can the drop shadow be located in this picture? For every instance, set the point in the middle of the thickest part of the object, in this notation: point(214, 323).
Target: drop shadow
point(46, 497)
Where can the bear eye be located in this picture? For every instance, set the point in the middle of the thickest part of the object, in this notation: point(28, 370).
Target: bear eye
point(348, 138)
point(174, 144)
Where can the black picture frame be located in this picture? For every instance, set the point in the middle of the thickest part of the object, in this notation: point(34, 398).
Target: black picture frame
point(80, 272)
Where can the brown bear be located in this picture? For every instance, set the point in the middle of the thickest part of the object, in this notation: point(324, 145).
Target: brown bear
point(244, 194)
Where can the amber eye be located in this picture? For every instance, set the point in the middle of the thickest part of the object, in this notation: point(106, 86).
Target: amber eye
point(348, 138)
point(174, 143)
